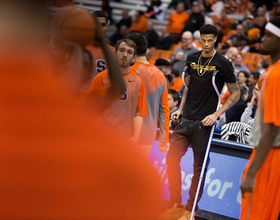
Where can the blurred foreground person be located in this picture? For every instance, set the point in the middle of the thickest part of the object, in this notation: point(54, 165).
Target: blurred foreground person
point(261, 178)
point(56, 162)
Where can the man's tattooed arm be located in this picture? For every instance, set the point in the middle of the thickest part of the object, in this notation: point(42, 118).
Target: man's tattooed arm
point(234, 91)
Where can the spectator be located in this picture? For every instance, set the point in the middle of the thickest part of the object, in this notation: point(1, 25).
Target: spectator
point(239, 39)
point(165, 67)
point(126, 20)
point(177, 22)
point(176, 81)
point(207, 19)
point(262, 65)
point(165, 40)
point(249, 113)
point(118, 35)
point(261, 12)
point(238, 64)
point(155, 10)
point(149, 56)
point(151, 35)
point(207, 6)
point(243, 6)
point(106, 9)
point(248, 24)
point(159, 10)
point(197, 41)
point(272, 15)
point(230, 6)
point(218, 43)
point(196, 19)
point(173, 3)
point(140, 23)
point(252, 81)
point(260, 24)
point(252, 9)
point(232, 53)
point(276, 8)
point(255, 39)
point(174, 102)
point(225, 22)
point(242, 78)
point(235, 112)
point(180, 56)
point(217, 7)
point(150, 11)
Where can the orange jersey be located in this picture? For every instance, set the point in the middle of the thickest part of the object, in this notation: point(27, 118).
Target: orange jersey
point(99, 63)
point(272, 96)
point(177, 22)
point(157, 103)
point(130, 104)
point(265, 201)
point(177, 85)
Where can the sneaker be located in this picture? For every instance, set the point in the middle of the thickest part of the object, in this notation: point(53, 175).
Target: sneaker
point(172, 214)
point(186, 215)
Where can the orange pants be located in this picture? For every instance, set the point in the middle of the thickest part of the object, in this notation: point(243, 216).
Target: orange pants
point(265, 202)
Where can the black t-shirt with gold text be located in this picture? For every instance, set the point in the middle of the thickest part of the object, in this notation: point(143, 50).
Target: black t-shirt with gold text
point(201, 98)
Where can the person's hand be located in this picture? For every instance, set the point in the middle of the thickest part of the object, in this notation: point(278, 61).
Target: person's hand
point(209, 120)
point(247, 184)
point(175, 115)
point(163, 147)
point(254, 100)
point(134, 140)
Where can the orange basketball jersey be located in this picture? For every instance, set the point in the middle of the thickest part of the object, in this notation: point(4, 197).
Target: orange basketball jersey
point(99, 63)
point(157, 103)
point(131, 103)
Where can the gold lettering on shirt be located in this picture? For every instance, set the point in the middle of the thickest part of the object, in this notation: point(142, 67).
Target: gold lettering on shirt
point(207, 68)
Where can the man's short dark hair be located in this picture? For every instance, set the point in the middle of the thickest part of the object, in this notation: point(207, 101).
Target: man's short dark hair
point(208, 29)
point(141, 42)
point(175, 95)
point(255, 75)
point(100, 14)
point(175, 72)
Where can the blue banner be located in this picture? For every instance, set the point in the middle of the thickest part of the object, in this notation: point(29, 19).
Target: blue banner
point(221, 191)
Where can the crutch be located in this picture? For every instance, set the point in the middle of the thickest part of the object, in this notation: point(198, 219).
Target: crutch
point(208, 145)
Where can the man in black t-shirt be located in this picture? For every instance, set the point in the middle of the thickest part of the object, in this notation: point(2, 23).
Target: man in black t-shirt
point(198, 110)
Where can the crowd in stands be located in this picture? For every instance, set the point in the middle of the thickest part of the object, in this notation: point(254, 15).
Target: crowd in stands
point(180, 36)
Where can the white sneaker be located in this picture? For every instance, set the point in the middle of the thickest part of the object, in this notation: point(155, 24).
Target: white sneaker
point(172, 214)
point(186, 215)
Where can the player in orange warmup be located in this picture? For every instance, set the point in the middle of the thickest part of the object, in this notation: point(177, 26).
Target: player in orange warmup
point(99, 59)
point(126, 113)
point(156, 96)
point(261, 179)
